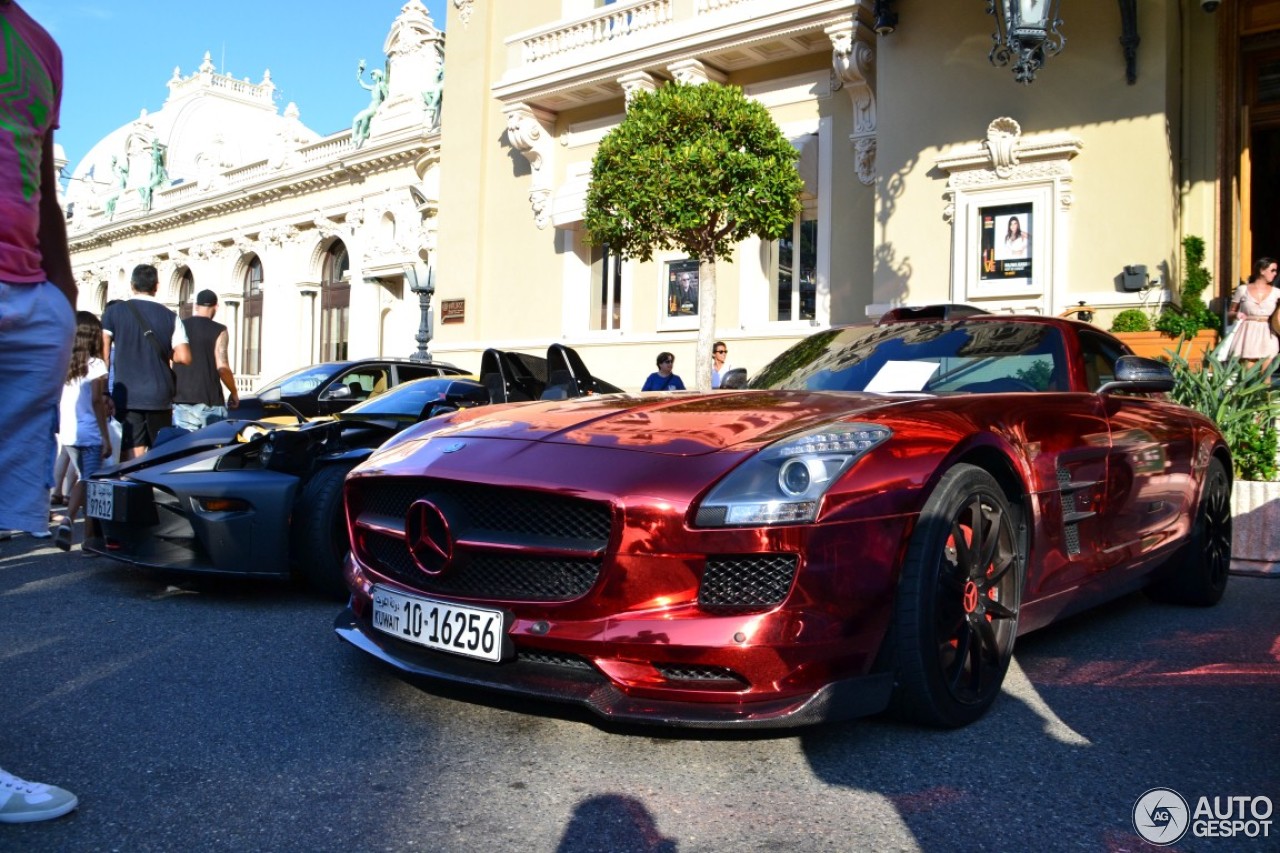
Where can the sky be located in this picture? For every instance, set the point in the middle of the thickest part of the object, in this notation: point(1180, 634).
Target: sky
point(119, 54)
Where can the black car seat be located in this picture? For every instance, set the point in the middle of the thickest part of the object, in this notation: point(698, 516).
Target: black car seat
point(567, 375)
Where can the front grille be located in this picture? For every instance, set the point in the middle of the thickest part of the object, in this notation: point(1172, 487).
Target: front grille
point(488, 576)
point(550, 545)
point(747, 582)
point(473, 507)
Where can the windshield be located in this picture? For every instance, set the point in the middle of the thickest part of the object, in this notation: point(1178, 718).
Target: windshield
point(965, 356)
point(302, 381)
point(405, 400)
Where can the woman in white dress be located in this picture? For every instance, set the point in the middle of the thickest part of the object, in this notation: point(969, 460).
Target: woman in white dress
point(1252, 306)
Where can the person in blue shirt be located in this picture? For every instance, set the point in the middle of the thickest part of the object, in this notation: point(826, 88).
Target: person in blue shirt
point(663, 379)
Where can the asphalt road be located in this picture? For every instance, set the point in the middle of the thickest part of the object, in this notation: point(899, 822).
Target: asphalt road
point(194, 715)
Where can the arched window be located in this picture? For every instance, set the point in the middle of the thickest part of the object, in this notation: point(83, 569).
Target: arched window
point(186, 293)
point(251, 330)
point(335, 304)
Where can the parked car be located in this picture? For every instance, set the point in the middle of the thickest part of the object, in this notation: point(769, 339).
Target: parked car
point(871, 522)
point(335, 386)
point(245, 497)
point(265, 500)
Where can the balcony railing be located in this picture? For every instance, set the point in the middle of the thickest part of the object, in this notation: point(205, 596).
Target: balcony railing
point(608, 24)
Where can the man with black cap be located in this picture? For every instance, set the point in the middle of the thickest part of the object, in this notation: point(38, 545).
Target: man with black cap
point(199, 401)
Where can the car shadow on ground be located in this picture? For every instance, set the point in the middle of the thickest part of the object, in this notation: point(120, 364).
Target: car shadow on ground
point(1096, 710)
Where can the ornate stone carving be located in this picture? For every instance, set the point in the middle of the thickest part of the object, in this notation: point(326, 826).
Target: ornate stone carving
point(538, 199)
point(694, 72)
point(636, 82)
point(278, 235)
point(1002, 144)
point(464, 10)
point(864, 159)
point(853, 63)
point(530, 132)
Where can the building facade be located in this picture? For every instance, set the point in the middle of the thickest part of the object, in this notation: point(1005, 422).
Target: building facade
point(931, 174)
point(312, 244)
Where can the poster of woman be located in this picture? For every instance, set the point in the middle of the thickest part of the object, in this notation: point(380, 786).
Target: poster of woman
point(1007, 249)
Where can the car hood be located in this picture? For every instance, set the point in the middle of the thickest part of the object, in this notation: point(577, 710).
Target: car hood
point(682, 424)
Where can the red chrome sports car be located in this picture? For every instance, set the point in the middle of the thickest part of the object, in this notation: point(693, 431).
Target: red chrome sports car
point(872, 521)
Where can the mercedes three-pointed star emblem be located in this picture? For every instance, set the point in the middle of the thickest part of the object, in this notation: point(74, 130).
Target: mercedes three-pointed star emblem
point(428, 536)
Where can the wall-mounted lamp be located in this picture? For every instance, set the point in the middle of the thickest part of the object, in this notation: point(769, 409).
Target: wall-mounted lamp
point(1027, 33)
point(886, 18)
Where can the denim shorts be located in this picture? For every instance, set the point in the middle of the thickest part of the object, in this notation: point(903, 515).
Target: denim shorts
point(87, 459)
point(37, 327)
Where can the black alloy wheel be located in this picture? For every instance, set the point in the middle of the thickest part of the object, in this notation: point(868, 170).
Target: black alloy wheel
point(1198, 574)
point(957, 611)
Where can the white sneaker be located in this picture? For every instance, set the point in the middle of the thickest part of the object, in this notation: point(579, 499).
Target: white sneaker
point(24, 802)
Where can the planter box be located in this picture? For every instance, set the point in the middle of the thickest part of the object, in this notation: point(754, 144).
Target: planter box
point(1159, 345)
point(1255, 528)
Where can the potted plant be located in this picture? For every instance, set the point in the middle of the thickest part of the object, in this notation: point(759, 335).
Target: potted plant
point(1240, 400)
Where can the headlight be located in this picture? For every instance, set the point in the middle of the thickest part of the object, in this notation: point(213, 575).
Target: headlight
point(785, 482)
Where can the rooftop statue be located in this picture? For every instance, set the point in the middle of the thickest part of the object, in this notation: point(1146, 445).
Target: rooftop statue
point(432, 98)
point(157, 178)
point(378, 93)
point(121, 172)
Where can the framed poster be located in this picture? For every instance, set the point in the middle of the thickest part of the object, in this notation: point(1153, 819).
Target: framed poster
point(680, 296)
point(1007, 251)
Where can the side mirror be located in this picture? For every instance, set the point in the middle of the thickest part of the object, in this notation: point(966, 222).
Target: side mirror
point(336, 392)
point(1135, 373)
point(734, 379)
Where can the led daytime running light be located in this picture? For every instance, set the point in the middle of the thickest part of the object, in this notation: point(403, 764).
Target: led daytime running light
point(836, 441)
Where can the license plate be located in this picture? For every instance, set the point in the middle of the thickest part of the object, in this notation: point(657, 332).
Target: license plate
point(455, 628)
point(101, 500)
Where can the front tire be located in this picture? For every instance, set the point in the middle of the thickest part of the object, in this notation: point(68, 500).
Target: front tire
point(1198, 574)
point(956, 615)
point(320, 532)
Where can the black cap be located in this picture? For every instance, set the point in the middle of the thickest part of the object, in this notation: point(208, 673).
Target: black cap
point(206, 297)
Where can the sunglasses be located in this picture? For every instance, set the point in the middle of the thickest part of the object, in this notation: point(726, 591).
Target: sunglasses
point(721, 352)
point(667, 361)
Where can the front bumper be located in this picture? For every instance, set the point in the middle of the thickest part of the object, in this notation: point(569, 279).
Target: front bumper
point(543, 677)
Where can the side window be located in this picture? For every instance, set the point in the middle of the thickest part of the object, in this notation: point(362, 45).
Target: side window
point(363, 383)
point(1100, 356)
point(406, 372)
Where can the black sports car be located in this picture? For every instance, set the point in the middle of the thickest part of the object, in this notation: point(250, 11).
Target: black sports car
point(335, 386)
point(246, 497)
point(254, 498)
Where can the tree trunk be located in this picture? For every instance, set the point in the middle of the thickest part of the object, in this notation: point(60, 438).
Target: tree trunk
point(706, 323)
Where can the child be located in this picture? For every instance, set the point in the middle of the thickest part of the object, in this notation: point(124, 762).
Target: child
point(83, 418)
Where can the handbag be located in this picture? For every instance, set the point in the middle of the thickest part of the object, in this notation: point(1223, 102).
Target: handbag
point(1223, 350)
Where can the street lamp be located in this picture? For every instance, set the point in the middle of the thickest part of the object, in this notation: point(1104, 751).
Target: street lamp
point(1027, 32)
point(425, 291)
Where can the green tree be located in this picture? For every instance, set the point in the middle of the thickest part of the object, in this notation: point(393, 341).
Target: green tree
point(694, 168)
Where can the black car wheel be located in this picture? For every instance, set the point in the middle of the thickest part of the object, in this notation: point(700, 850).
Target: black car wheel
point(957, 610)
point(320, 532)
point(1198, 574)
